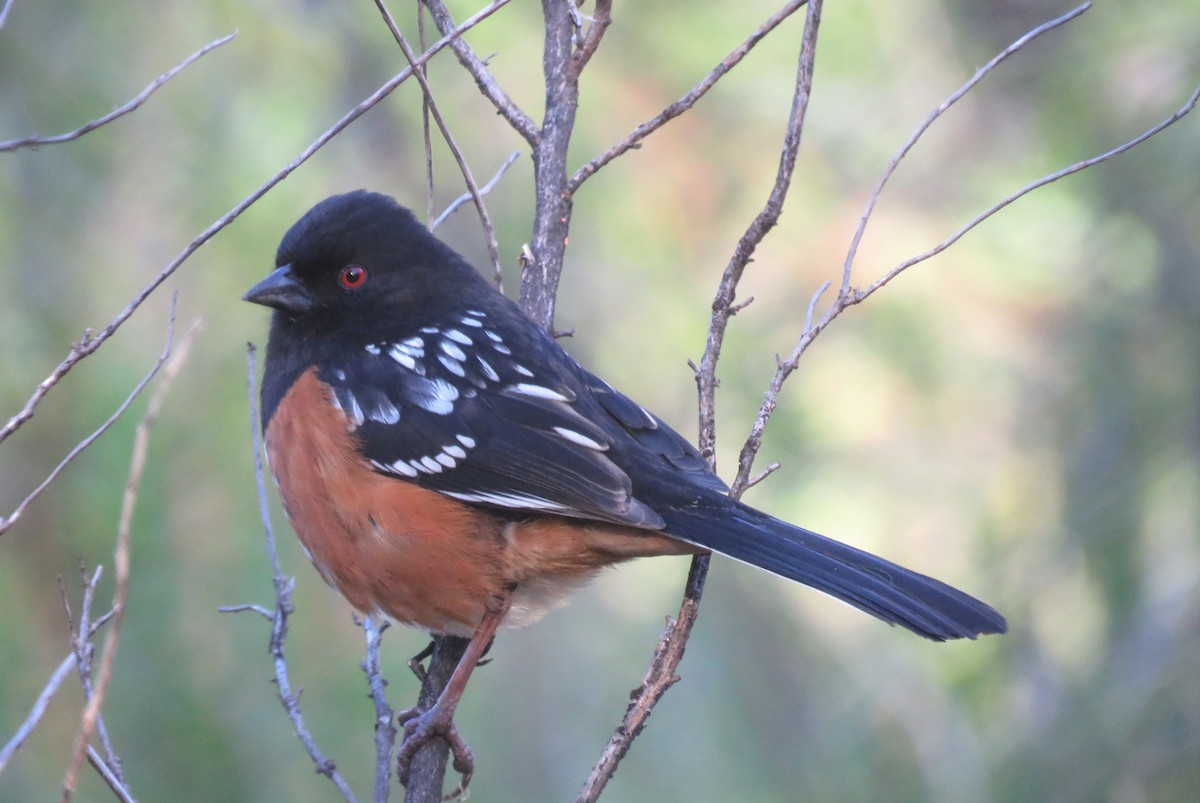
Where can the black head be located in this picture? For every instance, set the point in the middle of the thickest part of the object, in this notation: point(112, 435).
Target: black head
point(358, 261)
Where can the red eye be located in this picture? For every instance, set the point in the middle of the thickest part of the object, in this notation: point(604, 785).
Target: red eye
point(352, 277)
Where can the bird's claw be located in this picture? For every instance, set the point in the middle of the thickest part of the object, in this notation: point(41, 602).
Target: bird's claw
point(421, 728)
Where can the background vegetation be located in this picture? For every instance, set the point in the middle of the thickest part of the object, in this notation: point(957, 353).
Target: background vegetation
point(1020, 416)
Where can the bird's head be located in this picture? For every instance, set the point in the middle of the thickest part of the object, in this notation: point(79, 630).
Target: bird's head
point(357, 260)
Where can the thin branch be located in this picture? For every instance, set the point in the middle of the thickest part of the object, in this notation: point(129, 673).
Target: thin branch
point(484, 190)
point(283, 604)
point(141, 440)
point(7, 523)
point(944, 106)
point(601, 19)
point(39, 706)
point(635, 138)
point(120, 111)
point(519, 120)
point(724, 303)
point(260, 610)
point(854, 297)
point(426, 133)
point(4, 12)
point(90, 344)
point(662, 672)
point(111, 779)
point(385, 723)
point(81, 643)
point(468, 178)
point(848, 296)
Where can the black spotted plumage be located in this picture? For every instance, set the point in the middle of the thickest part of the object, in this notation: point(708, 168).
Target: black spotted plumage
point(448, 385)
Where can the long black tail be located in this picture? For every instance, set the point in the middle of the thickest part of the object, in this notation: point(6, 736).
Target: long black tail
point(896, 595)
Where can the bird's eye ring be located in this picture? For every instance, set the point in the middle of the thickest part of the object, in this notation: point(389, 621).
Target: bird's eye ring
point(352, 277)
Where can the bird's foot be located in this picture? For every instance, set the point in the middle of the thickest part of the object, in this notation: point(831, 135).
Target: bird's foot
point(421, 728)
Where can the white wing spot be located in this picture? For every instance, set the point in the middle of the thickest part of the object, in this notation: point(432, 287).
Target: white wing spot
point(434, 466)
point(371, 348)
point(488, 370)
point(477, 313)
point(452, 365)
point(456, 336)
point(385, 413)
point(414, 342)
point(503, 349)
point(507, 500)
point(355, 412)
point(523, 371)
point(446, 460)
point(429, 330)
point(340, 374)
point(436, 396)
point(453, 350)
point(399, 467)
point(403, 357)
point(470, 321)
point(579, 438)
point(455, 450)
point(538, 392)
point(465, 440)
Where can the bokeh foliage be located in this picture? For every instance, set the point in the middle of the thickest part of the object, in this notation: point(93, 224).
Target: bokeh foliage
point(1020, 416)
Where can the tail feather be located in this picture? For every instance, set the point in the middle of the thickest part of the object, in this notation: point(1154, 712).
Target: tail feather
point(899, 596)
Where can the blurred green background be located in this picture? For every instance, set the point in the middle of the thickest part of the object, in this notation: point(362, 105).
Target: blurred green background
point(1019, 417)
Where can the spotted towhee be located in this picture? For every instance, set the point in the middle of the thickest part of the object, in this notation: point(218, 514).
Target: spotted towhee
point(445, 462)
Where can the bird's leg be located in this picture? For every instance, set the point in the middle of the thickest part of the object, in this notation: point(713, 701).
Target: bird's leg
point(421, 727)
point(416, 664)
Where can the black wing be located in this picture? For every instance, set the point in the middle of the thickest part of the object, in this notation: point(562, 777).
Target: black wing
point(499, 415)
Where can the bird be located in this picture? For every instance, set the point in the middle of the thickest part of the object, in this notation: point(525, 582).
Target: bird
point(443, 461)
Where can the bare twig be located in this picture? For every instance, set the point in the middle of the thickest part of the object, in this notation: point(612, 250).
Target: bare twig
point(385, 724)
point(601, 19)
point(141, 440)
point(39, 707)
point(484, 190)
point(7, 523)
point(519, 120)
point(848, 296)
point(90, 344)
point(933, 116)
point(662, 675)
point(8, 4)
point(115, 783)
point(283, 605)
point(432, 107)
point(856, 296)
point(426, 133)
point(724, 304)
point(81, 643)
point(120, 111)
point(635, 138)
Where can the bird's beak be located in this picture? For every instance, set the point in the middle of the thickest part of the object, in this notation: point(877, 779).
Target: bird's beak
point(281, 290)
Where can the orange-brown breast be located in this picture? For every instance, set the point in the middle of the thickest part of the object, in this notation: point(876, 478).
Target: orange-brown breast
point(420, 557)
